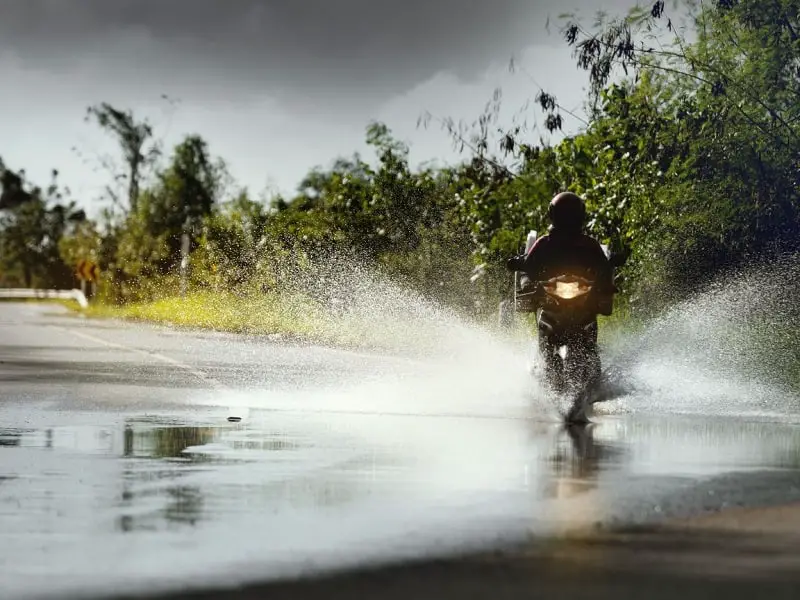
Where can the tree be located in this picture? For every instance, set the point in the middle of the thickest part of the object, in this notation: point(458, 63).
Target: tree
point(691, 155)
point(83, 241)
point(13, 195)
point(30, 234)
point(132, 136)
point(184, 194)
point(734, 95)
point(234, 236)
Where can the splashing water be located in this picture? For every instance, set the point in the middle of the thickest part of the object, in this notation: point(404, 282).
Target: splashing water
point(726, 351)
point(730, 350)
point(444, 363)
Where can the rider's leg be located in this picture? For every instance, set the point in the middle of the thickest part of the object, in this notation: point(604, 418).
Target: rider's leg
point(591, 352)
point(551, 358)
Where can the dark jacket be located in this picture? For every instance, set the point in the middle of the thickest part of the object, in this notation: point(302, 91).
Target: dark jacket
point(566, 252)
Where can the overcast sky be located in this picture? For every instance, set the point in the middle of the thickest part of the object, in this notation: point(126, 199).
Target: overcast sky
point(275, 86)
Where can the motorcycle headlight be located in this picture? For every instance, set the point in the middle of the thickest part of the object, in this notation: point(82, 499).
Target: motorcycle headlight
point(567, 290)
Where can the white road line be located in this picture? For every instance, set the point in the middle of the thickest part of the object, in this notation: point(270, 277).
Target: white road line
point(210, 381)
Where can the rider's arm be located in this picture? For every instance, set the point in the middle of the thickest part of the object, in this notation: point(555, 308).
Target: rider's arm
point(532, 262)
point(605, 273)
point(603, 267)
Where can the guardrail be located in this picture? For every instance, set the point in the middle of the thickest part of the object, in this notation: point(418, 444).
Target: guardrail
point(76, 295)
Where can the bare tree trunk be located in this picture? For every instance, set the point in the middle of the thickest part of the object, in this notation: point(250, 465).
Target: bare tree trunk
point(133, 188)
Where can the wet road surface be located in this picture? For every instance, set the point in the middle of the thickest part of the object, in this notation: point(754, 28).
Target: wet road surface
point(120, 472)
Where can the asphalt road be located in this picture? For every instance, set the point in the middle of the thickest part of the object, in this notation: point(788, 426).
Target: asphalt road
point(121, 474)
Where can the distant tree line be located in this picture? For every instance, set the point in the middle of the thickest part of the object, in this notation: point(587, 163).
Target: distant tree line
point(690, 158)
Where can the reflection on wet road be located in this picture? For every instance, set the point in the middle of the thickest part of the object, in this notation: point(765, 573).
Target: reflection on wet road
point(118, 487)
point(146, 501)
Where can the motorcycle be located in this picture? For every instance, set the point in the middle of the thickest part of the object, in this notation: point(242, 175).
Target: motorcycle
point(566, 309)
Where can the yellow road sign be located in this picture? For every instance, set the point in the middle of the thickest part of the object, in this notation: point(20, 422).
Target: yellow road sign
point(88, 271)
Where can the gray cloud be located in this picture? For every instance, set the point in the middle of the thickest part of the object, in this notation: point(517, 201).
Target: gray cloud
point(323, 51)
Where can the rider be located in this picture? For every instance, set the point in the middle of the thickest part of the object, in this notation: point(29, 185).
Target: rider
point(566, 249)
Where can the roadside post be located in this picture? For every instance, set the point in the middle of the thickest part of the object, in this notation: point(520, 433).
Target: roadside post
point(185, 246)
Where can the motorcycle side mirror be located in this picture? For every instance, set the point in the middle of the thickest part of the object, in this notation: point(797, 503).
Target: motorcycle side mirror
point(515, 263)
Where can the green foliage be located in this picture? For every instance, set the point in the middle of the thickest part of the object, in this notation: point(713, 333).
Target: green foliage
point(234, 237)
point(720, 121)
point(691, 155)
point(147, 244)
point(30, 232)
point(690, 159)
point(83, 242)
point(13, 195)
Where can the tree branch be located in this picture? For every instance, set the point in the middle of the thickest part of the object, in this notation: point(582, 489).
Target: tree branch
point(637, 62)
point(559, 106)
point(448, 125)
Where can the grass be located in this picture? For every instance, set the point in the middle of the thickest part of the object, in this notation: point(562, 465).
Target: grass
point(285, 317)
point(262, 314)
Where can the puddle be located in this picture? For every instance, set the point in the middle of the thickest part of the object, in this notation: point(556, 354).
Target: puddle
point(11, 437)
point(111, 498)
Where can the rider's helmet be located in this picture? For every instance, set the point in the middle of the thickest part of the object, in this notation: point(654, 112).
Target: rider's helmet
point(567, 212)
